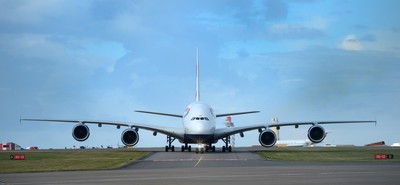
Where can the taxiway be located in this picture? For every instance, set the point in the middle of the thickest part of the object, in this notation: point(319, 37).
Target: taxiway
point(240, 167)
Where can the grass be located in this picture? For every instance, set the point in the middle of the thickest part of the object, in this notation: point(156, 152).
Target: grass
point(66, 160)
point(40, 161)
point(345, 154)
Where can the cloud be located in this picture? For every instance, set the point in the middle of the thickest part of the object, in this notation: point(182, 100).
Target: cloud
point(351, 43)
point(275, 10)
point(101, 59)
point(368, 38)
point(31, 46)
point(29, 12)
point(290, 31)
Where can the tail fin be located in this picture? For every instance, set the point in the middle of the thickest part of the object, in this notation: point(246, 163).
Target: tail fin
point(197, 77)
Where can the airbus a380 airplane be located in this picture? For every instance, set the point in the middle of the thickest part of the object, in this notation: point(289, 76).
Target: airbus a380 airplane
point(199, 127)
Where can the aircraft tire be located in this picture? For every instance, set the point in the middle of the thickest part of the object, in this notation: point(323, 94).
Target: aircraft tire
point(230, 148)
point(182, 148)
point(223, 148)
point(213, 148)
point(173, 148)
point(190, 148)
point(166, 148)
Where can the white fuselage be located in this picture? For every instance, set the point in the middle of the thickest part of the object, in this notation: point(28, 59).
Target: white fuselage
point(199, 119)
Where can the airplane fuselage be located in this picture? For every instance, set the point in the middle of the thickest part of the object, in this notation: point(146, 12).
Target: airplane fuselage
point(199, 122)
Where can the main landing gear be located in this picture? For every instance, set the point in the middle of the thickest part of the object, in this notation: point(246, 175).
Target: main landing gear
point(186, 147)
point(210, 147)
point(170, 146)
point(227, 146)
point(200, 148)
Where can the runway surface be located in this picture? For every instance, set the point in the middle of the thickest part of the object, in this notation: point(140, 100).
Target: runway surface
point(241, 167)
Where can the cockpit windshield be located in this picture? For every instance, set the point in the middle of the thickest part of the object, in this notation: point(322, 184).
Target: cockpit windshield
point(200, 118)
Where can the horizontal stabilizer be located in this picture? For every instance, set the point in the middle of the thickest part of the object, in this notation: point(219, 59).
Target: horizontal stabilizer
point(236, 113)
point(159, 113)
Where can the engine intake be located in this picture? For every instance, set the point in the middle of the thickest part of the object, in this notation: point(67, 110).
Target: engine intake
point(267, 138)
point(80, 132)
point(316, 134)
point(130, 137)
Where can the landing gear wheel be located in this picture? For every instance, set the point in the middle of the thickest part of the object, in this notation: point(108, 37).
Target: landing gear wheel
point(190, 148)
point(170, 139)
point(223, 148)
point(207, 148)
point(182, 148)
point(202, 150)
point(213, 148)
point(197, 150)
point(230, 148)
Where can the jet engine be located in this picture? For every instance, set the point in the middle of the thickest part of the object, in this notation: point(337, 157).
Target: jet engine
point(80, 132)
point(316, 134)
point(130, 137)
point(267, 138)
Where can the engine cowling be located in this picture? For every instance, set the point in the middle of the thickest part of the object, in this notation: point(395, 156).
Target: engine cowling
point(267, 138)
point(80, 132)
point(316, 134)
point(130, 137)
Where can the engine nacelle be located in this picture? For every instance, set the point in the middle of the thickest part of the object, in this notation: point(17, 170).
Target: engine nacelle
point(267, 138)
point(80, 132)
point(316, 134)
point(130, 137)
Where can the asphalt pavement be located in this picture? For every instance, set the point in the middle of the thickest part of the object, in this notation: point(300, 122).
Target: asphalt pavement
point(240, 167)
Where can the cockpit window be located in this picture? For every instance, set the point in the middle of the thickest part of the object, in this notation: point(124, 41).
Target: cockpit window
point(200, 118)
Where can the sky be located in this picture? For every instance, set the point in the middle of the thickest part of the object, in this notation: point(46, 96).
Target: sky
point(297, 60)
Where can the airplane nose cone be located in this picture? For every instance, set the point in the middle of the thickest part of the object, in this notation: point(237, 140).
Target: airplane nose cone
point(199, 129)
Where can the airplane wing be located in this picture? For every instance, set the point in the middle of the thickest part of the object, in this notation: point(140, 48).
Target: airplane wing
point(280, 124)
point(227, 131)
point(174, 132)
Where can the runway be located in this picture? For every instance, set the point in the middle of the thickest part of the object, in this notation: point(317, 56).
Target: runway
point(240, 167)
point(160, 160)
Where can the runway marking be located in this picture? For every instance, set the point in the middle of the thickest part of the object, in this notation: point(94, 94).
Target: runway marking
point(182, 160)
point(201, 157)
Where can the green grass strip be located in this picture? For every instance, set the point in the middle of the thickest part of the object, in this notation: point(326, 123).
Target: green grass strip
point(65, 160)
point(332, 154)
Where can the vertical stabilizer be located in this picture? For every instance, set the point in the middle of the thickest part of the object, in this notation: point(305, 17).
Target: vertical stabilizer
point(197, 76)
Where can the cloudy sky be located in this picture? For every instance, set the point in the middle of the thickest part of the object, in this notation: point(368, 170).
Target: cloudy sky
point(298, 60)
